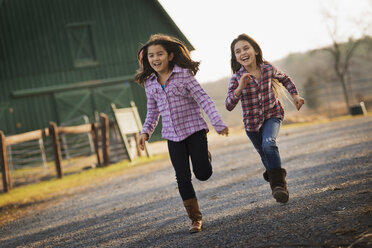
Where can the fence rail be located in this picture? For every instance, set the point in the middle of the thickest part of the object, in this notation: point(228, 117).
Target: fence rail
point(55, 133)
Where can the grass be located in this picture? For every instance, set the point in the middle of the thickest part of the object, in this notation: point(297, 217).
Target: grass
point(24, 196)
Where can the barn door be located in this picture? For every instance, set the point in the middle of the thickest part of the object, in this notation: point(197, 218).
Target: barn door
point(120, 95)
point(73, 104)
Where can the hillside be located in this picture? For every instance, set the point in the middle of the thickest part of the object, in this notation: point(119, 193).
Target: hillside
point(217, 90)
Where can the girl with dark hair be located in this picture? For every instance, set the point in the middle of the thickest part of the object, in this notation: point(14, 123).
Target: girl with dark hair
point(167, 73)
point(256, 84)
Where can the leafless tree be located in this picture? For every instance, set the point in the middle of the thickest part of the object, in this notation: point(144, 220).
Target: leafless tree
point(342, 51)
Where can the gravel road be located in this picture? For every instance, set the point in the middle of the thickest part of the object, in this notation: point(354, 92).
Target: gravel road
point(329, 179)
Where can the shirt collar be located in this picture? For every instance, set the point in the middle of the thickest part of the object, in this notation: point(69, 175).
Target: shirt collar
point(176, 69)
point(242, 70)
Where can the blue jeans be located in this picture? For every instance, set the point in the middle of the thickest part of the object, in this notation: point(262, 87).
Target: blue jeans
point(265, 143)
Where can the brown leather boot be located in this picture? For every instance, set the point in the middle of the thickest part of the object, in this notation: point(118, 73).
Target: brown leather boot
point(194, 214)
point(278, 184)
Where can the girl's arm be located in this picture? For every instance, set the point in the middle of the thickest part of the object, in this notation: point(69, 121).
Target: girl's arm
point(232, 98)
point(152, 117)
point(285, 80)
point(207, 105)
point(290, 86)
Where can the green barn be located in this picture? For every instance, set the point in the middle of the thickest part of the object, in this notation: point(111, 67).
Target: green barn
point(61, 59)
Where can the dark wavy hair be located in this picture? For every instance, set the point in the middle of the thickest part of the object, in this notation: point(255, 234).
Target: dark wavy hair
point(235, 66)
point(181, 56)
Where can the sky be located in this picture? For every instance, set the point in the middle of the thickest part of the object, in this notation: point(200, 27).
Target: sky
point(280, 27)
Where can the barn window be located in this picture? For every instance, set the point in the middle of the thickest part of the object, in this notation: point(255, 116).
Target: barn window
point(82, 44)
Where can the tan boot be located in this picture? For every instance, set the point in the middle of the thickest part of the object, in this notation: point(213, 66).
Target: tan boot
point(194, 214)
point(278, 184)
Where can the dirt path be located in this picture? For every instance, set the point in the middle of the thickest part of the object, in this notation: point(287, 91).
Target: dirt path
point(329, 175)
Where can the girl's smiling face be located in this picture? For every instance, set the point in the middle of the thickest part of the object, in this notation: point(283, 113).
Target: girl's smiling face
point(245, 53)
point(159, 58)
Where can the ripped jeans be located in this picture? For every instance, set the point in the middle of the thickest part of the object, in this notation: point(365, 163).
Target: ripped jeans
point(265, 143)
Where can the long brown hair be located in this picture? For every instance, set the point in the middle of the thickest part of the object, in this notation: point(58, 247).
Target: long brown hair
point(235, 65)
point(181, 56)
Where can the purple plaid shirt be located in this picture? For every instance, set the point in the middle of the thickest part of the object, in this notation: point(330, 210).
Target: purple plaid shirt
point(258, 98)
point(179, 105)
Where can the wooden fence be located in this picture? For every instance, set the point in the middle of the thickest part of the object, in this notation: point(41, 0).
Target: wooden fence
point(103, 156)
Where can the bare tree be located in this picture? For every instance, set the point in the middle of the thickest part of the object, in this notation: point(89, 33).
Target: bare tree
point(342, 52)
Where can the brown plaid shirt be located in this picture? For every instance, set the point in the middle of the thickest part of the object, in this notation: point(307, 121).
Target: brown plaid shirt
point(258, 98)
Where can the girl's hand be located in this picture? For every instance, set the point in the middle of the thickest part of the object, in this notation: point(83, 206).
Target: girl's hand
point(225, 131)
point(298, 101)
point(243, 83)
point(141, 140)
point(245, 79)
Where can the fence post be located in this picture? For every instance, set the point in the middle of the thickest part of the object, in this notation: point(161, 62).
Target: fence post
point(105, 138)
point(95, 142)
point(7, 184)
point(53, 130)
